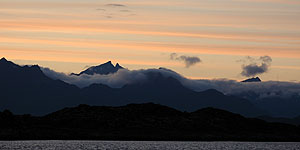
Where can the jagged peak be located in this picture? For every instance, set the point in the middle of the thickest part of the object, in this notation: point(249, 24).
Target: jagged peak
point(118, 66)
point(108, 63)
point(105, 68)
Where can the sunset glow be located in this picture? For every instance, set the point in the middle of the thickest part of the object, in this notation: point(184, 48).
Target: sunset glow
point(70, 35)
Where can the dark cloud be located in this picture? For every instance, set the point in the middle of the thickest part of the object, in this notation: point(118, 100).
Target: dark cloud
point(253, 67)
point(116, 5)
point(188, 60)
point(115, 10)
point(252, 70)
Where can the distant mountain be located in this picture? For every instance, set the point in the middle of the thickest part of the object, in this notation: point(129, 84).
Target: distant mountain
point(27, 90)
point(294, 121)
point(103, 69)
point(167, 91)
point(142, 122)
point(257, 79)
point(280, 107)
point(287, 106)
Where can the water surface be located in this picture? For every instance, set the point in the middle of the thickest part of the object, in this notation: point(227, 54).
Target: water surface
point(147, 145)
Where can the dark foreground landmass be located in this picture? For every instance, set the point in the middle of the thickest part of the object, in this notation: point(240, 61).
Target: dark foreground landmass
point(142, 122)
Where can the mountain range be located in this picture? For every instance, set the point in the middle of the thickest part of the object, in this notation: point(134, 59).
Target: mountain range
point(27, 90)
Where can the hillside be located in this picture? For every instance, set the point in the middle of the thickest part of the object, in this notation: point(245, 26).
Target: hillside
point(142, 122)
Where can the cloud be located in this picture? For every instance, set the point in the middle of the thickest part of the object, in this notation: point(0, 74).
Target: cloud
point(114, 10)
point(116, 5)
point(253, 67)
point(229, 87)
point(115, 80)
point(263, 94)
point(251, 91)
point(188, 60)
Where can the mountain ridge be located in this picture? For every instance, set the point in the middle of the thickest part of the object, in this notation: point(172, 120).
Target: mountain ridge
point(147, 121)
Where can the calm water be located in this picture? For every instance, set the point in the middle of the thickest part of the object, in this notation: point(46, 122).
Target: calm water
point(133, 145)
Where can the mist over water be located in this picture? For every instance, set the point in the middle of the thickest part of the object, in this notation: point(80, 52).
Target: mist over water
point(144, 145)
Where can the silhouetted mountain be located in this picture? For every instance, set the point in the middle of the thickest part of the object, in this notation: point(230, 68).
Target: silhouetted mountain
point(277, 103)
point(280, 107)
point(167, 91)
point(294, 121)
point(257, 79)
point(27, 90)
point(102, 69)
point(142, 122)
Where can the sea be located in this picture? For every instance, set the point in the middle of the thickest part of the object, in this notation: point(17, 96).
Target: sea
point(145, 145)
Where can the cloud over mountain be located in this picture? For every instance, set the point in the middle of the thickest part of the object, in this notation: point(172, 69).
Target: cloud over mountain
point(188, 60)
point(231, 87)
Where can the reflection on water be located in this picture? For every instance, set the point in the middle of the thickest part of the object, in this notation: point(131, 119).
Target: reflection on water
point(147, 145)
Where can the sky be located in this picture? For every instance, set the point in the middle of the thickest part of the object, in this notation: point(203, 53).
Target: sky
point(222, 37)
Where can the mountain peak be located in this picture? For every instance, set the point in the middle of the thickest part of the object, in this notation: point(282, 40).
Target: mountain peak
point(6, 63)
point(257, 79)
point(103, 69)
point(118, 66)
point(3, 59)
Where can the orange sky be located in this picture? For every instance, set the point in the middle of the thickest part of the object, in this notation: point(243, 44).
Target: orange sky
point(69, 35)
